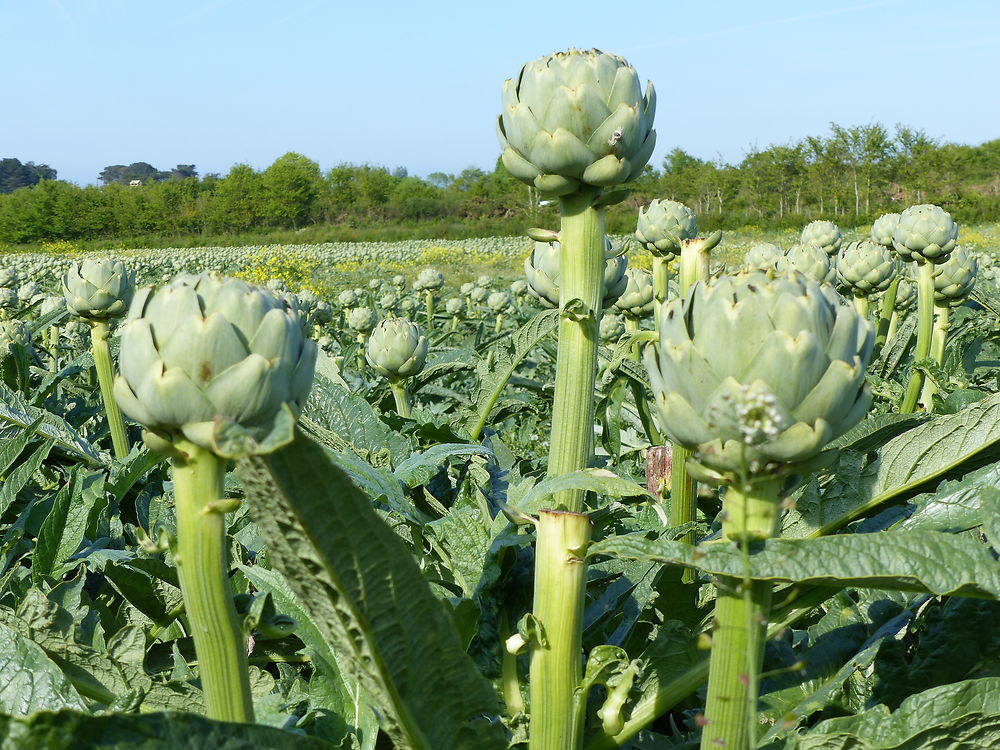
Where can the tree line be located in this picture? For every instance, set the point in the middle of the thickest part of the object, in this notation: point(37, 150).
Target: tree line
point(850, 175)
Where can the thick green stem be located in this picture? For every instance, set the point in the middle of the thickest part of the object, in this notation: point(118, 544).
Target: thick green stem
point(885, 314)
point(861, 304)
point(939, 337)
point(641, 402)
point(581, 271)
point(739, 629)
point(454, 322)
point(499, 323)
point(661, 281)
point(201, 557)
point(429, 305)
point(925, 331)
point(106, 379)
point(508, 673)
point(401, 396)
point(557, 649)
point(890, 334)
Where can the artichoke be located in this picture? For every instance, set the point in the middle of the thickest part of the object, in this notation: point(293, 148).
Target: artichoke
point(637, 299)
point(810, 260)
point(883, 228)
point(27, 293)
point(663, 225)
point(575, 119)
point(757, 372)
point(955, 278)
point(485, 281)
point(347, 298)
point(906, 295)
point(823, 234)
point(13, 333)
point(98, 289)
point(479, 294)
point(541, 270)
point(206, 351)
point(454, 306)
point(925, 233)
point(866, 267)
point(467, 287)
point(519, 288)
point(428, 279)
point(498, 302)
point(762, 257)
point(9, 277)
point(8, 302)
point(612, 328)
point(397, 349)
point(362, 319)
point(399, 281)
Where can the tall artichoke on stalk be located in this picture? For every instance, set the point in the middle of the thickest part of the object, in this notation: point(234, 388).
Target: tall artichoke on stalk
point(637, 300)
point(823, 234)
point(865, 268)
point(541, 271)
point(454, 307)
point(428, 281)
point(499, 303)
point(762, 257)
point(811, 260)
point(574, 125)
point(575, 119)
point(926, 235)
point(663, 225)
point(212, 368)
point(396, 350)
point(98, 291)
point(883, 227)
point(755, 373)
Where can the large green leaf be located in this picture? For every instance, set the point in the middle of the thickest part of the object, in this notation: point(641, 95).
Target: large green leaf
point(907, 463)
point(420, 467)
point(917, 560)
point(960, 715)
point(31, 681)
point(71, 730)
point(361, 586)
point(16, 413)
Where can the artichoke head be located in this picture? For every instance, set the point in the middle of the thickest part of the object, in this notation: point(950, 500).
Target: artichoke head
point(362, 319)
point(663, 225)
point(811, 260)
point(866, 267)
point(757, 372)
point(576, 119)
point(214, 360)
point(428, 279)
point(955, 278)
point(397, 348)
point(883, 228)
point(637, 299)
point(762, 257)
point(541, 271)
point(98, 289)
point(823, 234)
point(925, 233)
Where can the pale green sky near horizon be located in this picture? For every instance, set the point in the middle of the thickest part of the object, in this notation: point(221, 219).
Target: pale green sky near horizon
point(220, 82)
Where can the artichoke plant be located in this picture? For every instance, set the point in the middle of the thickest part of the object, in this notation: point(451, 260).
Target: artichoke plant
point(8, 277)
point(542, 270)
point(454, 307)
point(883, 228)
point(637, 300)
point(397, 349)
point(865, 268)
point(926, 235)
point(755, 374)
point(16, 353)
point(362, 320)
point(575, 119)
point(212, 367)
point(498, 303)
point(811, 260)
point(824, 235)
point(762, 257)
point(9, 302)
point(663, 225)
point(98, 289)
point(427, 282)
point(955, 278)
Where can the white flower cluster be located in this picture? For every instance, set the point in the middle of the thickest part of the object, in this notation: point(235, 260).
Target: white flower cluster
point(757, 414)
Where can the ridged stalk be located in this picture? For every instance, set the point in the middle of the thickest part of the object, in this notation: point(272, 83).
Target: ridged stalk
point(557, 651)
point(742, 608)
point(201, 558)
point(429, 307)
point(939, 337)
point(641, 402)
point(402, 398)
point(885, 314)
point(925, 332)
point(661, 281)
point(106, 378)
point(862, 305)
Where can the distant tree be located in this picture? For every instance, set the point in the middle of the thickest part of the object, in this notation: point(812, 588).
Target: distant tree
point(140, 170)
point(14, 174)
point(440, 179)
point(183, 172)
point(291, 187)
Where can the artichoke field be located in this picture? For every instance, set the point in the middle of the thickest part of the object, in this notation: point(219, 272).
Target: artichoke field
point(448, 500)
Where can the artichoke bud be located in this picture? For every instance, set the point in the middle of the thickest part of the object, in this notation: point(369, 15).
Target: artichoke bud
point(347, 298)
point(543, 235)
point(541, 270)
point(397, 348)
point(428, 279)
point(14, 333)
point(824, 235)
point(955, 278)
point(399, 281)
point(757, 372)
point(454, 306)
point(362, 319)
point(479, 294)
point(612, 328)
point(8, 277)
point(484, 281)
point(217, 361)
point(811, 260)
point(9, 302)
point(663, 225)
point(762, 257)
point(883, 228)
point(866, 267)
point(98, 289)
point(925, 233)
point(906, 295)
point(637, 299)
point(498, 302)
point(576, 120)
point(519, 288)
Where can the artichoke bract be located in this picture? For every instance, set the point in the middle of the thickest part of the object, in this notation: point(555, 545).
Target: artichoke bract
point(663, 225)
point(541, 271)
point(758, 372)
point(98, 289)
point(575, 119)
point(207, 352)
point(397, 348)
point(925, 233)
point(883, 228)
point(823, 234)
point(866, 267)
point(955, 278)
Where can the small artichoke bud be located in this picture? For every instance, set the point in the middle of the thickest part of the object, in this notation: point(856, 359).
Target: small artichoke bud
point(810, 260)
point(906, 295)
point(397, 348)
point(519, 288)
point(428, 279)
point(98, 289)
point(27, 293)
point(485, 282)
point(955, 278)
point(498, 302)
point(925, 233)
point(612, 328)
point(8, 302)
point(454, 306)
point(13, 333)
point(388, 301)
point(479, 294)
point(637, 299)
point(663, 225)
point(374, 284)
point(866, 267)
point(467, 287)
point(399, 281)
point(883, 228)
point(206, 352)
point(9, 277)
point(362, 319)
point(762, 257)
point(347, 298)
point(824, 235)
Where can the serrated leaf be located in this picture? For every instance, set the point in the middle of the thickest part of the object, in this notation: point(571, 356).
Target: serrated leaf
point(18, 413)
point(419, 468)
point(600, 481)
point(361, 586)
point(21, 475)
point(31, 681)
point(921, 560)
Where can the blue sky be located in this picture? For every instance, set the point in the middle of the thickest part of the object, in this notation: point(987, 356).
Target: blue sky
point(417, 84)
